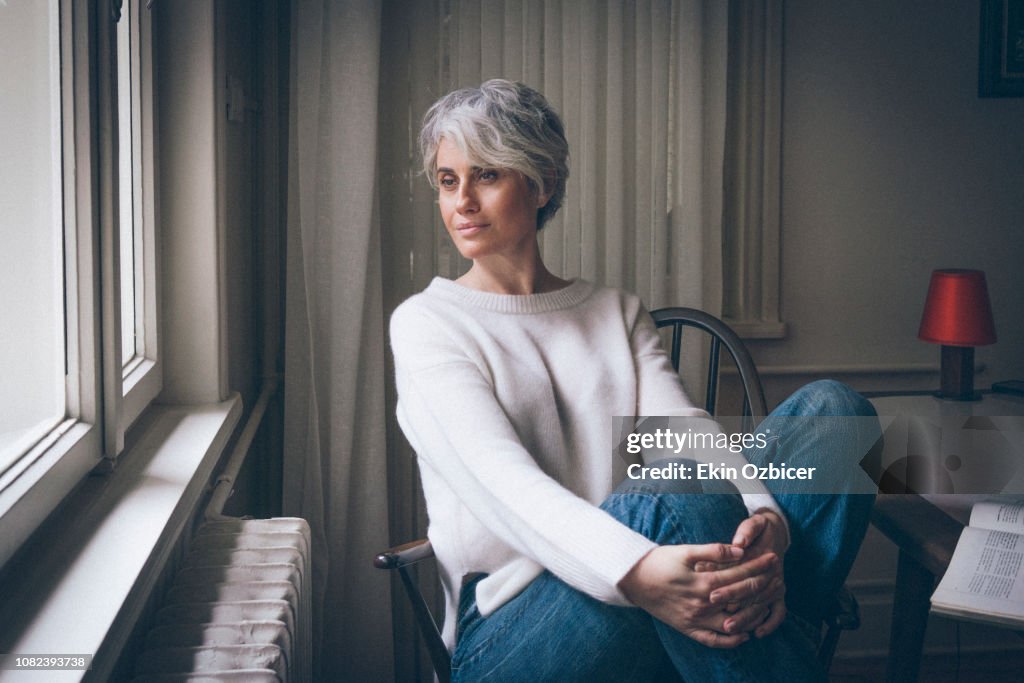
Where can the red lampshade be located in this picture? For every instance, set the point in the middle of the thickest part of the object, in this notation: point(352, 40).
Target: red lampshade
point(957, 311)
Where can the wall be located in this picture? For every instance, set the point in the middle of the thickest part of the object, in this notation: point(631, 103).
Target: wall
point(892, 166)
point(246, 41)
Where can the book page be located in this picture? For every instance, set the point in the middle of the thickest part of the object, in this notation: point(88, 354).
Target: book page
point(985, 575)
point(1000, 515)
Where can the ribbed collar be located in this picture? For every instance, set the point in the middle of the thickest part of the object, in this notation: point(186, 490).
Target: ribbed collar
point(576, 292)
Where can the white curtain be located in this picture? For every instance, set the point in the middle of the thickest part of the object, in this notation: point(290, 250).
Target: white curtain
point(335, 464)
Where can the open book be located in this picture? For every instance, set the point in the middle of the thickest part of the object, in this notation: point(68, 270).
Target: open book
point(985, 579)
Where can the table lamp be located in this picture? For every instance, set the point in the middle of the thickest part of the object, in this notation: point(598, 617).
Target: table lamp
point(958, 315)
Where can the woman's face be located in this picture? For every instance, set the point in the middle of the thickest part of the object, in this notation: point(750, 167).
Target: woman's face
point(487, 211)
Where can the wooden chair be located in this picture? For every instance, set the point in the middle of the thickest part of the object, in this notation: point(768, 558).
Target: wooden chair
point(842, 615)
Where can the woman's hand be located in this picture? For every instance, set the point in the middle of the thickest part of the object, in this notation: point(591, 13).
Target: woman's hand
point(760, 606)
point(666, 584)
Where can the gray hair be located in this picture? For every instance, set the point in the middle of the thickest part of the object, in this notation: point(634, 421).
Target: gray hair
point(502, 124)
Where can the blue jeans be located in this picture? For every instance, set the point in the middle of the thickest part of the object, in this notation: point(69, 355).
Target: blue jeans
point(552, 632)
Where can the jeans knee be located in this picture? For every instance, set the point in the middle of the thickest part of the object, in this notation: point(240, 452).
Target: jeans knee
point(830, 425)
point(829, 397)
point(671, 518)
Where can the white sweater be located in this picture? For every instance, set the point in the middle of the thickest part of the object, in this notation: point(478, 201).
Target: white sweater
point(508, 402)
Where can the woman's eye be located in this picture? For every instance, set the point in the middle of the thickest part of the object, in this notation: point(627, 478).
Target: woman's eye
point(446, 181)
point(488, 174)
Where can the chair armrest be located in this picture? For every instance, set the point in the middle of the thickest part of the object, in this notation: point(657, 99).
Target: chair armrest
point(844, 612)
point(404, 555)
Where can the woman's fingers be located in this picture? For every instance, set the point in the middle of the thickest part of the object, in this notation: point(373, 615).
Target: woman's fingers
point(748, 531)
point(774, 620)
point(735, 584)
point(713, 553)
point(712, 638)
point(743, 592)
point(762, 588)
point(762, 614)
point(706, 566)
point(746, 619)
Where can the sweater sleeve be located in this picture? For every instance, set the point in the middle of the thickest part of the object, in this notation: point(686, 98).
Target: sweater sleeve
point(450, 414)
point(660, 393)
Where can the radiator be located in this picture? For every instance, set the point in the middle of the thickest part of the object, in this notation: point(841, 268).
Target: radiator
point(239, 608)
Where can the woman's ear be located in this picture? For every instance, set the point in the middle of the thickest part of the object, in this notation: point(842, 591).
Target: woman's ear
point(544, 193)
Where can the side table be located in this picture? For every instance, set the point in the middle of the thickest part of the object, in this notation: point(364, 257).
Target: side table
point(926, 528)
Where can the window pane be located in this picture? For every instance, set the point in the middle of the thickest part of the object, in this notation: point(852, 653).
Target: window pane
point(31, 227)
point(126, 185)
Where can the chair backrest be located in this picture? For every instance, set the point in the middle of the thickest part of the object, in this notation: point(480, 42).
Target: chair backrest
point(721, 335)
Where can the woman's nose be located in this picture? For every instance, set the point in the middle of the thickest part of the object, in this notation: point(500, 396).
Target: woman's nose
point(467, 198)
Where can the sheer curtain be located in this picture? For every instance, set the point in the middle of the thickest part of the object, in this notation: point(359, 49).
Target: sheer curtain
point(334, 454)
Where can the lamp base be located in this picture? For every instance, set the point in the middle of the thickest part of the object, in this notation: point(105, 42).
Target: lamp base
point(958, 374)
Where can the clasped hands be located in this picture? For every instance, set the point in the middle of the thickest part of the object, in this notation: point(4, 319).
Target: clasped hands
point(719, 594)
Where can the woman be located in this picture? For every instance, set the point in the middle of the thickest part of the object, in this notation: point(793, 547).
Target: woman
point(507, 380)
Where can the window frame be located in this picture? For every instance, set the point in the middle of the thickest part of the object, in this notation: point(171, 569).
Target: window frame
point(102, 401)
point(141, 374)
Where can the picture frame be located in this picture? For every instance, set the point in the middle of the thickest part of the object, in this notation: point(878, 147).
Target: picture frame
point(1001, 49)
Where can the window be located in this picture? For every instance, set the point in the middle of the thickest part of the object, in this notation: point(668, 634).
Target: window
point(135, 229)
point(128, 173)
point(77, 223)
point(32, 350)
point(751, 211)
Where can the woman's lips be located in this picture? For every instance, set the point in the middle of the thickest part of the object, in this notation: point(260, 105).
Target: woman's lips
point(470, 229)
